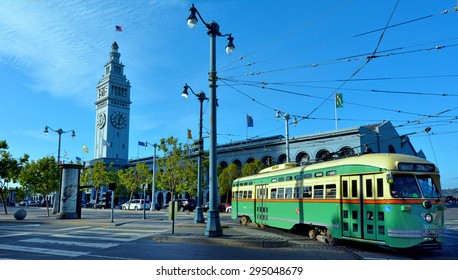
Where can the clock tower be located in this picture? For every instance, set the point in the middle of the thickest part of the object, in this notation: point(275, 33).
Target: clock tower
point(112, 113)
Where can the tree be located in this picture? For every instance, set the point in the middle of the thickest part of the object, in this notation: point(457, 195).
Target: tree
point(132, 178)
point(41, 176)
point(252, 168)
point(99, 176)
point(225, 179)
point(175, 169)
point(10, 168)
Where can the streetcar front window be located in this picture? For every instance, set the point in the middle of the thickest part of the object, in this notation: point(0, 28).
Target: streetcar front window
point(404, 186)
point(428, 188)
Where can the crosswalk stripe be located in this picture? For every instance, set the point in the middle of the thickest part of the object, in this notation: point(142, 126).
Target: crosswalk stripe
point(65, 253)
point(74, 243)
point(105, 238)
point(71, 229)
point(14, 234)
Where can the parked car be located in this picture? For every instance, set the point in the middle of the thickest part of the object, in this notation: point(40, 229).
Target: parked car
point(103, 204)
point(33, 203)
point(136, 204)
point(23, 203)
point(184, 204)
point(187, 204)
point(43, 203)
point(222, 207)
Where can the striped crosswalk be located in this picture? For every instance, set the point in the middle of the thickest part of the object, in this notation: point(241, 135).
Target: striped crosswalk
point(65, 242)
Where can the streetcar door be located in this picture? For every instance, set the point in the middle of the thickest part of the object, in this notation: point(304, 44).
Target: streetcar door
point(351, 206)
point(261, 213)
point(369, 207)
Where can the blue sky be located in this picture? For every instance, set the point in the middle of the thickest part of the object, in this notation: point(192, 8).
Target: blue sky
point(290, 56)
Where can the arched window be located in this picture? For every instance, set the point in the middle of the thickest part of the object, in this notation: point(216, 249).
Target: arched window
point(346, 151)
point(268, 161)
point(238, 163)
point(282, 158)
point(250, 160)
point(322, 154)
point(223, 164)
point(303, 158)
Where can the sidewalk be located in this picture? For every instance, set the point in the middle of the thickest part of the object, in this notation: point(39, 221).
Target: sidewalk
point(185, 230)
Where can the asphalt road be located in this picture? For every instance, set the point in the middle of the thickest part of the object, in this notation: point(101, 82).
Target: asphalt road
point(141, 239)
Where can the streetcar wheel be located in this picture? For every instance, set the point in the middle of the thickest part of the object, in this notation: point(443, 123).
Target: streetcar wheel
point(261, 226)
point(330, 239)
point(312, 234)
point(245, 220)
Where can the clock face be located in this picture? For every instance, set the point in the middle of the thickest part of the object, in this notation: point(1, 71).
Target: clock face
point(118, 120)
point(101, 120)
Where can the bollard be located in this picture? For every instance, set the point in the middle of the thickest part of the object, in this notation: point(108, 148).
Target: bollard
point(20, 214)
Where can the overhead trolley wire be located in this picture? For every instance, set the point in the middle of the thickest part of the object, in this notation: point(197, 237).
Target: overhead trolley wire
point(356, 57)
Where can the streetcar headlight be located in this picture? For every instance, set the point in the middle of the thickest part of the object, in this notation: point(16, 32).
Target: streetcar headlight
point(428, 218)
point(427, 204)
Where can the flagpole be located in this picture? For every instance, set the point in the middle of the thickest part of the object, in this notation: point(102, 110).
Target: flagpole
point(335, 109)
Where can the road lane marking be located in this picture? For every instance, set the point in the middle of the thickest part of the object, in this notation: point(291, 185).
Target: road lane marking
point(37, 250)
point(70, 243)
point(72, 228)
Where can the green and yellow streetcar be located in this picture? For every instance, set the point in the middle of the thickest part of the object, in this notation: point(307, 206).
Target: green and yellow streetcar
point(386, 199)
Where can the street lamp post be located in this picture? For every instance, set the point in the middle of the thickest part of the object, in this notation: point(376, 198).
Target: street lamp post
point(286, 117)
point(213, 228)
point(153, 189)
point(199, 217)
point(60, 131)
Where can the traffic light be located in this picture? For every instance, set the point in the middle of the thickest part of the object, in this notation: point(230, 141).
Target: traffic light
point(112, 186)
point(108, 198)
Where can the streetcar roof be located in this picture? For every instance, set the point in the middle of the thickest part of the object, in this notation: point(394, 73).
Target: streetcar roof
point(377, 160)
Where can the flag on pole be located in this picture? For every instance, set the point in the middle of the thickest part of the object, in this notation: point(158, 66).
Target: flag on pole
point(249, 121)
point(141, 143)
point(189, 134)
point(78, 159)
point(119, 28)
point(85, 149)
point(339, 100)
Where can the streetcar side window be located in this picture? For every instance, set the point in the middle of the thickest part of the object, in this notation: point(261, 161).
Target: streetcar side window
point(244, 194)
point(369, 188)
point(281, 193)
point(331, 191)
point(345, 188)
point(250, 194)
point(273, 193)
point(379, 187)
point(289, 193)
point(354, 188)
point(307, 192)
point(318, 191)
